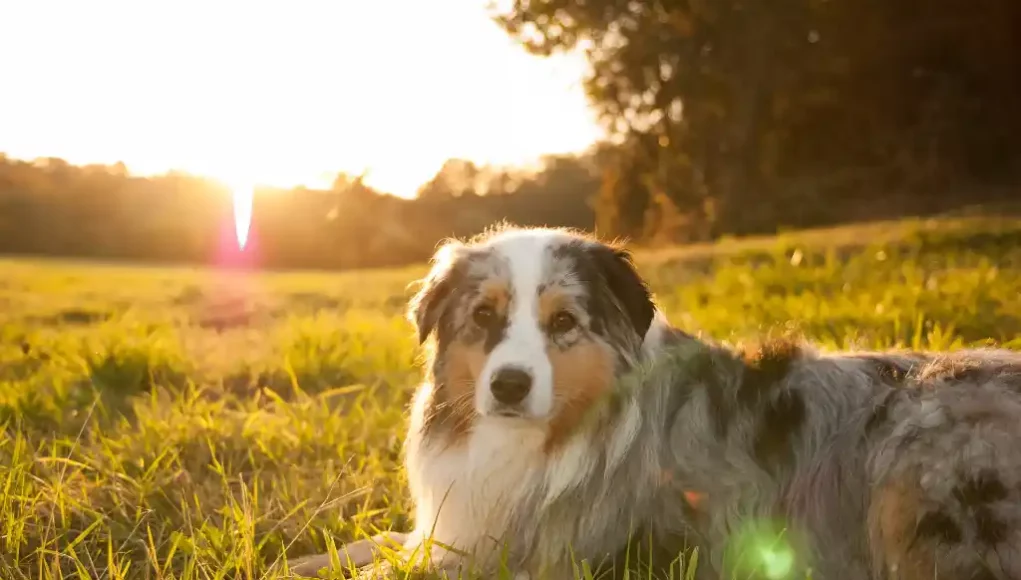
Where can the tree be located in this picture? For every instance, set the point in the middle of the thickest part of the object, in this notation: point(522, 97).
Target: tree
point(456, 177)
point(722, 105)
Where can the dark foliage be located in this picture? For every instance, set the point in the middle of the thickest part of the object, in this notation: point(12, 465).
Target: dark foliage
point(734, 115)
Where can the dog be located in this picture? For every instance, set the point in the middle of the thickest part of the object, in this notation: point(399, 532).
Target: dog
point(564, 422)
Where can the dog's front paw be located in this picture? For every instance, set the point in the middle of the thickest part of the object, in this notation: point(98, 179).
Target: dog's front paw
point(382, 570)
point(352, 556)
point(309, 566)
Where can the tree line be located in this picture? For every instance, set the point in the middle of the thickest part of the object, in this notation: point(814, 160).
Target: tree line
point(49, 207)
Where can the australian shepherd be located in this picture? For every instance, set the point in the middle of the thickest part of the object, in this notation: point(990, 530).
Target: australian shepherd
point(565, 427)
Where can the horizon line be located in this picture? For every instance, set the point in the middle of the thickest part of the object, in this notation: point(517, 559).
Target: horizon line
point(327, 178)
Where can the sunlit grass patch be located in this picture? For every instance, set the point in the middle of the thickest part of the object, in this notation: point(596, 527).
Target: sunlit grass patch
point(140, 442)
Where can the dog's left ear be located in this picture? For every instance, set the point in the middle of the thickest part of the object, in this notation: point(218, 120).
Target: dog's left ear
point(626, 284)
point(428, 305)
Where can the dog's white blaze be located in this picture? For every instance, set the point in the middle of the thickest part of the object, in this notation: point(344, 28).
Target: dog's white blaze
point(524, 344)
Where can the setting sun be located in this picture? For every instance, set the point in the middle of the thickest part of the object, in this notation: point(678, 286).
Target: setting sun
point(283, 96)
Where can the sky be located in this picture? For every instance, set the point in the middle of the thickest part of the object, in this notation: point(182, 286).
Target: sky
point(281, 93)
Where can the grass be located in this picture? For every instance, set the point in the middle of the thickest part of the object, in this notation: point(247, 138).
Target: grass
point(189, 424)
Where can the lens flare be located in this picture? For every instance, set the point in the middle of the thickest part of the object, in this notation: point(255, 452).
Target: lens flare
point(242, 194)
point(764, 548)
point(777, 561)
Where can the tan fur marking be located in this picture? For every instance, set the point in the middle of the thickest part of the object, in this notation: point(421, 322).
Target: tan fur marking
point(582, 376)
point(463, 364)
point(552, 301)
point(496, 292)
point(892, 518)
point(771, 352)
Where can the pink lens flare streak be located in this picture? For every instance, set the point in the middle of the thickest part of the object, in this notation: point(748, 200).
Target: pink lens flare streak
point(242, 214)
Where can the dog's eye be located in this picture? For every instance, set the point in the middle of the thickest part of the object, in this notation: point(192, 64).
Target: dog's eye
point(483, 315)
point(562, 322)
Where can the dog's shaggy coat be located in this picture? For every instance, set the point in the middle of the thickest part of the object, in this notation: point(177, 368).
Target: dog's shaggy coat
point(870, 465)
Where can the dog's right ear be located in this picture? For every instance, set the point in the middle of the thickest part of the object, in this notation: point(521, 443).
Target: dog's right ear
point(625, 284)
point(427, 306)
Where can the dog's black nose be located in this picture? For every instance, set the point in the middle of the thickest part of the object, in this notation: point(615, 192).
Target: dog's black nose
point(510, 385)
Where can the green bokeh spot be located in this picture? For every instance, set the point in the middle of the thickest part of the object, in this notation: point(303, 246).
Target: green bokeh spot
point(762, 548)
point(776, 561)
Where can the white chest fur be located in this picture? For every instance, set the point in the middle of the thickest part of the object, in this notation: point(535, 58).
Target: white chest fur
point(465, 493)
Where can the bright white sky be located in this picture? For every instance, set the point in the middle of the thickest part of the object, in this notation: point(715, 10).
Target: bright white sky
point(281, 93)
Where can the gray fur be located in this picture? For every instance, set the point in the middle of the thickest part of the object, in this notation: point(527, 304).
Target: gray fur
point(789, 439)
point(935, 430)
point(953, 419)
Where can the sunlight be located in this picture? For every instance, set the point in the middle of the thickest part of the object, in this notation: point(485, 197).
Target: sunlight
point(332, 92)
point(243, 194)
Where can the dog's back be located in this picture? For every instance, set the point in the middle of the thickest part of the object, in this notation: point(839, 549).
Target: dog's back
point(875, 465)
point(945, 471)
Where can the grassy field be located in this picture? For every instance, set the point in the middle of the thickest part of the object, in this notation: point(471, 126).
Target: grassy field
point(185, 424)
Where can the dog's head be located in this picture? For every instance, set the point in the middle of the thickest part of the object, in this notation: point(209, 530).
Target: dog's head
point(530, 324)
